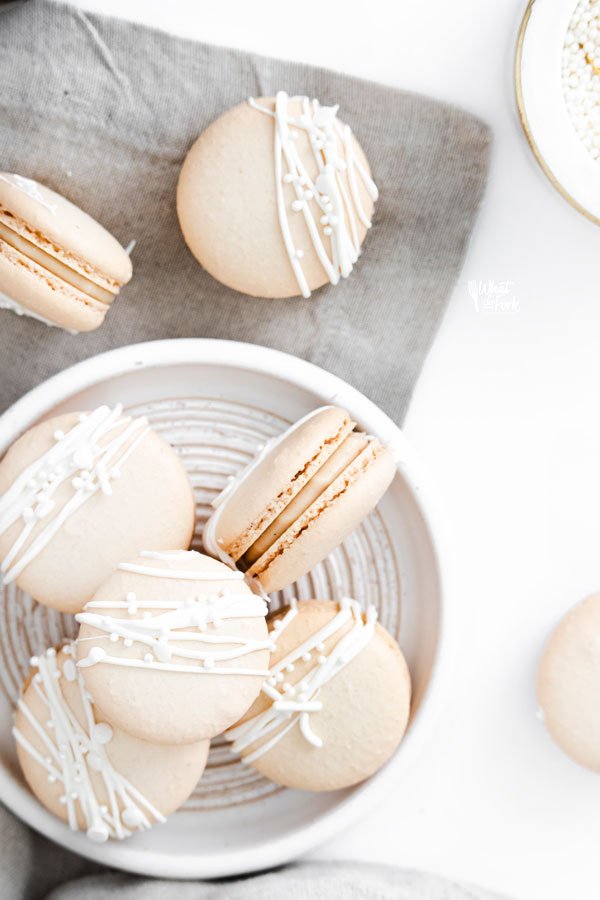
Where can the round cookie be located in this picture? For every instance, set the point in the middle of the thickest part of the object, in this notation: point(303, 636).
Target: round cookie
point(81, 491)
point(568, 683)
point(57, 264)
point(275, 197)
point(336, 704)
point(174, 647)
point(299, 499)
point(85, 771)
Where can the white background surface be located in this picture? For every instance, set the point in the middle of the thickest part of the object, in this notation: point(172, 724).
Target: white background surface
point(506, 416)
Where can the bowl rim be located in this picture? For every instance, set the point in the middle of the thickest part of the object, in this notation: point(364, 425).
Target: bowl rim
point(304, 375)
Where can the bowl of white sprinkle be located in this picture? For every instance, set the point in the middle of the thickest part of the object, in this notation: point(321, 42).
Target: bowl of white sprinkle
point(557, 81)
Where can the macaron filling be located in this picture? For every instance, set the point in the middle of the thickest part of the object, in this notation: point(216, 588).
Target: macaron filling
point(299, 466)
point(325, 476)
point(55, 266)
point(326, 501)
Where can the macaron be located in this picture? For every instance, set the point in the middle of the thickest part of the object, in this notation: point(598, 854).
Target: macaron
point(568, 683)
point(81, 491)
point(86, 771)
point(276, 196)
point(299, 499)
point(336, 704)
point(57, 264)
point(174, 647)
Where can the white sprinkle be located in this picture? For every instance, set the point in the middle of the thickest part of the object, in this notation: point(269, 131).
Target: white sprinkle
point(102, 733)
point(132, 817)
point(70, 670)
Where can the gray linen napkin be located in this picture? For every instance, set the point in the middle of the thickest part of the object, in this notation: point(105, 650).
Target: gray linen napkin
point(104, 111)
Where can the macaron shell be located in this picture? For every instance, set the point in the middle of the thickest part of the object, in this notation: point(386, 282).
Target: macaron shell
point(42, 293)
point(63, 229)
point(326, 523)
point(364, 715)
point(227, 205)
point(164, 706)
point(165, 776)
point(568, 684)
point(259, 498)
point(152, 504)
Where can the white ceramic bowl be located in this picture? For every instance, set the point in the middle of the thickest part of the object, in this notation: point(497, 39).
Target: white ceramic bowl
point(217, 401)
point(542, 109)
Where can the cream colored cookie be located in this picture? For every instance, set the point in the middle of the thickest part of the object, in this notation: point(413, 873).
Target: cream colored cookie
point(87, 772)
point(568, 683)
point(57, 264)
point(300, 499)
point(336, 704)
point(275, 197)
point(82, 491)
point(174, 647)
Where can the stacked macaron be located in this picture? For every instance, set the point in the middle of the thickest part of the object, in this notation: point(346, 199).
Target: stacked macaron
point(57, 264)
point(175, 647)
point(300, 498)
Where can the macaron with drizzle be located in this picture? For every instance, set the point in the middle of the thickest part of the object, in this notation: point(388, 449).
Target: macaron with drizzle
point(90, 774)
point(174, 647)
point(81, 491)
point(57, 264)
point(276, 196)
point(336, 703)
point(299, 499)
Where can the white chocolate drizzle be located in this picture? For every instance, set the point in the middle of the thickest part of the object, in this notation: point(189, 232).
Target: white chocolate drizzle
point(291, 705)
point(177, 622)
point(180, 574)
point(334, 236)
point(73, 751)
point(78, 457)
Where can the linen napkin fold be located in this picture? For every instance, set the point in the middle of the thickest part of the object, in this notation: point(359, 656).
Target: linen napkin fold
point(104, 111)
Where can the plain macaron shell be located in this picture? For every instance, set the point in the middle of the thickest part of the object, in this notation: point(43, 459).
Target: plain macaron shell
point(48, 230)
point(227, 205)
point(568, 684)
point(365, 709)
point(165, 776)
point(163, 706)
point(152, 504)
